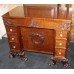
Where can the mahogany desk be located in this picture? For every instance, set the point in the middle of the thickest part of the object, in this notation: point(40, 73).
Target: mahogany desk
point(44, 35)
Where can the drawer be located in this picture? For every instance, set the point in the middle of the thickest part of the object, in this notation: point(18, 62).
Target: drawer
point(60, 52)
point(14, 46)
point(11, 29)
point(13, 37)
point(61, 43)
point(61, 34)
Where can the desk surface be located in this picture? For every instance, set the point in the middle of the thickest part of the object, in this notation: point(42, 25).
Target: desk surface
point(38, 20)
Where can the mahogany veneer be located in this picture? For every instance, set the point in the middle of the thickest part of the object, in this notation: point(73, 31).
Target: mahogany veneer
point(31, 33)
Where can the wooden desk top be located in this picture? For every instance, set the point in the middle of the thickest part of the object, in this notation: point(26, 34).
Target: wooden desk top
point(48, 23)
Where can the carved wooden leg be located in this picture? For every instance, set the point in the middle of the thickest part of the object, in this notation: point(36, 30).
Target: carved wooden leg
point(53, 62)
point(65, 63)
point(11, 55)
point(20, 54)
point(23, 57)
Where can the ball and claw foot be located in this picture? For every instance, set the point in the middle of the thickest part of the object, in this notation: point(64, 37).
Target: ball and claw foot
point(23, 58)
point(53, 62)
point(11, 56)
point(66, 64)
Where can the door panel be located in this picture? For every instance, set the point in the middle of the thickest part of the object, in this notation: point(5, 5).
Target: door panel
point(41, 40)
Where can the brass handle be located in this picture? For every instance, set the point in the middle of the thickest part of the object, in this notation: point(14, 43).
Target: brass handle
point(12, 38)
point(37, 39)
point(11, 30)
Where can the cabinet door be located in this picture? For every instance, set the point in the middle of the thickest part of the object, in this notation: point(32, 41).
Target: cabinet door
point(39, 40)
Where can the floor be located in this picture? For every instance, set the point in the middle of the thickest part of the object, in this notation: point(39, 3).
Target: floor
point(35, 60)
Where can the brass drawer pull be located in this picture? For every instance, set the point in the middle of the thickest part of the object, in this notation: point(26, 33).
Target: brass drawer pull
point(12, 38)
point(60, 44)
point(11, 30)
point(59, 53)
point(14, 47)
point(61, 35)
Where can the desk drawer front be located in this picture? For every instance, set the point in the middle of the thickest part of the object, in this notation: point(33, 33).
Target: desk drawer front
point(61, 34)
point(61, 43)
point(11, 29)
point(14, 46)
point(60, 52)
point(13, 38)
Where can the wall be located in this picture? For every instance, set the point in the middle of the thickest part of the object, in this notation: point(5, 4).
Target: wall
point(16, 12)
point(3, 9)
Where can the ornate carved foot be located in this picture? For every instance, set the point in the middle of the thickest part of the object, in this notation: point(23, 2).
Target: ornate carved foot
point(11, 55)
point(53, 62)
point(22, 56)
point(65, 63)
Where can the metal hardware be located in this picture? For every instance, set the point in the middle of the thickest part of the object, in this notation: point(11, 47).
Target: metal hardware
point(60, 44)
point(14, 47)
point(12, 38)
point(61, 35)
point(11, 30)
point(59, 53)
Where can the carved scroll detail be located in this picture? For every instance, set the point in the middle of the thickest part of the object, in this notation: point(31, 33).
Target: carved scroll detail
point(7, 21)
point(33, 23)
point(36, 42)
point(64, 26)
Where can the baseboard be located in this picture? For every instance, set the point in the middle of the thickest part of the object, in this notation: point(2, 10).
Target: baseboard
point(0, 37)
point(5, 35)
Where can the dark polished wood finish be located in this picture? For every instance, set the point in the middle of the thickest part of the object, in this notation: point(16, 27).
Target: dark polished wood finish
point(38, 31)
point(31, 36)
